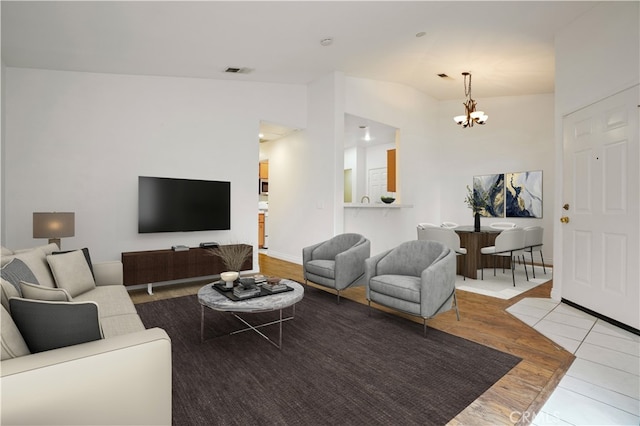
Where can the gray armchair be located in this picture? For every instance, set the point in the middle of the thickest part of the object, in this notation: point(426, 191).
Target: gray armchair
point(336, 263)
point(417, 277)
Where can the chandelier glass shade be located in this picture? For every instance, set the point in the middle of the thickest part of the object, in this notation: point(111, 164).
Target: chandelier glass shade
point(471, 116)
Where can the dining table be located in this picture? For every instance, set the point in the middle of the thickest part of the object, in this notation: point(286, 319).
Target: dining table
point(473, 241)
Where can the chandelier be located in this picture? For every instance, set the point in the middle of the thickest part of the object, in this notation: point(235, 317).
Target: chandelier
point(471, 115)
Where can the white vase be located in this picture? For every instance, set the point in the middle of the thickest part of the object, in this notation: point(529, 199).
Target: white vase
point(229, 278)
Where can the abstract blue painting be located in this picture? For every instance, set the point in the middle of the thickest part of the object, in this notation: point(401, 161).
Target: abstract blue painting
point(490, 188)
point(524, 194)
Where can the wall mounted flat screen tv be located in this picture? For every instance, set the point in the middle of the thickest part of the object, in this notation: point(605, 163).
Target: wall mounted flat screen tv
point(180, 205)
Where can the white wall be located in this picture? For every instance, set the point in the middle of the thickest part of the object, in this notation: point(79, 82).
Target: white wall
point(78, 141)
point(414, 113)
point(306, 174)
point(518, 137)
point(597, 56)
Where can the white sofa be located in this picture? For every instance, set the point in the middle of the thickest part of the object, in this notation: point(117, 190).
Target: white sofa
point(123, 378)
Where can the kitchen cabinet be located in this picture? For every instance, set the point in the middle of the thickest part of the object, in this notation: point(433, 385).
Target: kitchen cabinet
point(391, 170)
point(260, 230)
point(264, 170)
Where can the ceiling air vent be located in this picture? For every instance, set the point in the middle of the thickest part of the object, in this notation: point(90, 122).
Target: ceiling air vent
point(236, 70)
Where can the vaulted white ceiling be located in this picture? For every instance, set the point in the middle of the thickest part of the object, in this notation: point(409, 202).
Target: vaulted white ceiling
point(508, 46)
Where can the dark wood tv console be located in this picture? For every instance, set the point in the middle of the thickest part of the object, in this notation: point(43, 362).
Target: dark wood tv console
point(156, 266)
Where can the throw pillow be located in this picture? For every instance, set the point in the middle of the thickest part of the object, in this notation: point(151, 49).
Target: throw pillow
point(8, 291)
point(12, 343)
point(46, 325)
point(38, 292)
point(85, 252)
point(5, 251)
point(16, 271)
point(71, 272)
point(36, 260)
point(47, 249)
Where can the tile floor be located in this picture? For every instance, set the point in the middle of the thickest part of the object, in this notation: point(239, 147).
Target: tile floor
point(602, 386)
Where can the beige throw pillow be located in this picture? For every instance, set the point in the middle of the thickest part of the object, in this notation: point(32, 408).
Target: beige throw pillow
point(38, 292)
point(12, 342)
point(36, 262)
point(71, 272)
point(8, 291)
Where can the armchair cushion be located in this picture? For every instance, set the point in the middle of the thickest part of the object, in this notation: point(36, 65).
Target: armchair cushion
point(398, 286)
point(324, 268)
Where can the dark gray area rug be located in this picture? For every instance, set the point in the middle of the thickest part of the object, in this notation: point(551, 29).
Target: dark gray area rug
point(337, 366)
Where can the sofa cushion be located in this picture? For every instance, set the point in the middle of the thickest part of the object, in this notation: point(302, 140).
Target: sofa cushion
point(112, 299)
point(87, 256)
point(71, 272)
point(38, 292)
point(16, 271)
point(46, 325)
point(35, 259)
point(5, 251)
point(12, 343)
point(121, 324)
point(8, 291)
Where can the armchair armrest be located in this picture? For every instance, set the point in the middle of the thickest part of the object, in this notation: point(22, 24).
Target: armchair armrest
point(350, 263)
point(108, 273)
point(121, 380)
point(438, 284)
point(307, 255)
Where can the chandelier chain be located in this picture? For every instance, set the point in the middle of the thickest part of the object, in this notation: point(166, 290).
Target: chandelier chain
point(467, 87)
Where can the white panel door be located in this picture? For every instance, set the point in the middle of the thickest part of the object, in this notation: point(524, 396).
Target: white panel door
point(377, 183)
point(601, 187)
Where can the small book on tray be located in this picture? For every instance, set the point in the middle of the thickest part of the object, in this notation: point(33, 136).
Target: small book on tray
point(274, 285)
point(242, 293)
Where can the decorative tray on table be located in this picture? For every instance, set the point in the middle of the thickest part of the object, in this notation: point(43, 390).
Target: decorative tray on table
point(250, 288)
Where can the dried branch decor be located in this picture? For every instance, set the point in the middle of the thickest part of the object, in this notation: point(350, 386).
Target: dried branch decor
point(233, 256)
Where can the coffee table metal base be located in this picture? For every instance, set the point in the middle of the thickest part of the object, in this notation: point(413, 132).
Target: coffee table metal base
point(255, 328)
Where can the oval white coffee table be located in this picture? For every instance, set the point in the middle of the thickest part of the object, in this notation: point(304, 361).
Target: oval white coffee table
point(211, 298)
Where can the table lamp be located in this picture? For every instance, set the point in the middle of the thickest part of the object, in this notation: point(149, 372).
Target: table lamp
point(53, 226)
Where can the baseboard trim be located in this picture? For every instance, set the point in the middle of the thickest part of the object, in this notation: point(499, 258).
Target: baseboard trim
point(602, 317)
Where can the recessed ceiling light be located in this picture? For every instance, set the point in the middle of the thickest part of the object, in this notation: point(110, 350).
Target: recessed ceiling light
point(421, 34)
point(326, 41)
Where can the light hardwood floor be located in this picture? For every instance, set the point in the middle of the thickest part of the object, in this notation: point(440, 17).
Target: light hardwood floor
point(514, 399)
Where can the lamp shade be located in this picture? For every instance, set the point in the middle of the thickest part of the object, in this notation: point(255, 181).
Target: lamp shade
point(53, 225)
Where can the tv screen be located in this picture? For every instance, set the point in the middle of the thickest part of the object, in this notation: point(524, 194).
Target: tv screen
point(178, 205)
